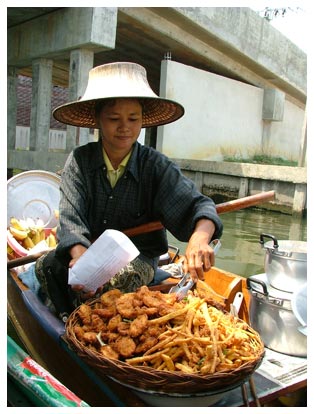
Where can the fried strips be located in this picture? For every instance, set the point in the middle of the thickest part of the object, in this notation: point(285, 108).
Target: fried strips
point(150, 328)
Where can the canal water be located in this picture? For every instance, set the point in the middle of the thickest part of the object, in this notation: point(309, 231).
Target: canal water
point(241, 251)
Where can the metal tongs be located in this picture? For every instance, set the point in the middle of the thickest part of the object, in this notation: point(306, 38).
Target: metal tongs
point(186, 282)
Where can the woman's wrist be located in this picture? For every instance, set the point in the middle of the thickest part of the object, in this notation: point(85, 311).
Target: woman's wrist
point(204, 229)
point(77, 250)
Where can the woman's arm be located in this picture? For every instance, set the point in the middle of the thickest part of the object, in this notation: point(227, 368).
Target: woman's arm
point(199, 256)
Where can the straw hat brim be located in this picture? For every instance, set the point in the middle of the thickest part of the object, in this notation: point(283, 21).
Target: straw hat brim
point(156, 111)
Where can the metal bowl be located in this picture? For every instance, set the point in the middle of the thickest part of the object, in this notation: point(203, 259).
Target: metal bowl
point(164, 399)
point(34, 194)
point(271, 315)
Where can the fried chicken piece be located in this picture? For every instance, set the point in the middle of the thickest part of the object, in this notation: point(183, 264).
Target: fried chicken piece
point(123, 328)
point(97, 323)
point(146, 344)
point(79, 332)
point(153, 299)
point(90, 338)
point(114, 322)
point(204, 291)
point(111, 336)
point(215, 304)
point(109, 298)
point(125, 306)
point(108, 352)
point(149, 338)
point(138, 325)
point(155, 330)
point(85, 312)
point(107, 312)
point(141, 292)
point(147, 311)
point(87, 328)
point(165, 308)
point(137, 301)
point(125, 346)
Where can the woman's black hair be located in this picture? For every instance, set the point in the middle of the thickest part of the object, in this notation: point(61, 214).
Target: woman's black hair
point(111, 102)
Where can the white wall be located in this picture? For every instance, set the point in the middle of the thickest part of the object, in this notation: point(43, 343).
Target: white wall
point(286, 135)
point(223, 118)
point(141, 138)
point(57, 138)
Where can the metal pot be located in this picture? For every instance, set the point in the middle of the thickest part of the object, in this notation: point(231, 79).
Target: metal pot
point(271, 315)
point(285, 262)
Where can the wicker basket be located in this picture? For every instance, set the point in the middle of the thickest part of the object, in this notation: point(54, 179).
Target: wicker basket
point(147, 378)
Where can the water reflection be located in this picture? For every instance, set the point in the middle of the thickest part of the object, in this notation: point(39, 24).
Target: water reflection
point(241, 252)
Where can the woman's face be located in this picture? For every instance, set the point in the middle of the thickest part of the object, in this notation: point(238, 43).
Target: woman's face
point(120, 124)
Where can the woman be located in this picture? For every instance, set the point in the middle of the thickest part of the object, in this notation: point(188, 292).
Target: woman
point(117, 183)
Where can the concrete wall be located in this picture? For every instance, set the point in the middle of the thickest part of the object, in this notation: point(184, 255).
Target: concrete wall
point(59, 32)
point(263, 48)
point(224, 118)
point(229, 180)
point(285, 136)
point(57, 138)
point(234, 42)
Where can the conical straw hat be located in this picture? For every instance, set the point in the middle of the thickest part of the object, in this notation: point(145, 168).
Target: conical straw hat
point(118, 80)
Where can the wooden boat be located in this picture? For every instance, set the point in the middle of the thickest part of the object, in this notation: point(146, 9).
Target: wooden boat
point(42, 335)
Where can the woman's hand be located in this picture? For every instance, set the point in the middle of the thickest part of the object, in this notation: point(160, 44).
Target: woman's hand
point(199, 256)
point(76, 252)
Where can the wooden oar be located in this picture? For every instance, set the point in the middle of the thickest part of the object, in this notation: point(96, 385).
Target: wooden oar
point(20, 261)
point(157, 225)
point(220, 208)
point(245, 202)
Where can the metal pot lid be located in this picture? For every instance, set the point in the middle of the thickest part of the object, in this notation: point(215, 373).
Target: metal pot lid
point(263, 290)
point(34, 194)
point(295, 249)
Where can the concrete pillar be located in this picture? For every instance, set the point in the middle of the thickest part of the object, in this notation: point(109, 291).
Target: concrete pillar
point(303, 143)
point(244, 187)
point(198, 180)
point(266, 134)
point(41, 104)
point(81, 61)
point(295, 229)
point(11, 107)
point(299, 199)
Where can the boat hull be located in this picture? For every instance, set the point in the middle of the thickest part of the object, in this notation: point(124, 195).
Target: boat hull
point(43, 339)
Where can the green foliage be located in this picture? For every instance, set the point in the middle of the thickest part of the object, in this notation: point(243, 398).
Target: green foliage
point(263, 159)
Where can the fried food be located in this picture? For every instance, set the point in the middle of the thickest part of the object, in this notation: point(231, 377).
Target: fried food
point(85, 313)
point(150, 328)
point(124, 345)
point(108, 352)
point(138, 325)
point(109, 298)
point(126, 307)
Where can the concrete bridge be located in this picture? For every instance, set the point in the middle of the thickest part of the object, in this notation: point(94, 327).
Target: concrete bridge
point(234, 44)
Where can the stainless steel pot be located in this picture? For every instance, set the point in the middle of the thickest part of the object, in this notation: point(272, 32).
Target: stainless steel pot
point(271, 315)
point(285, 262)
